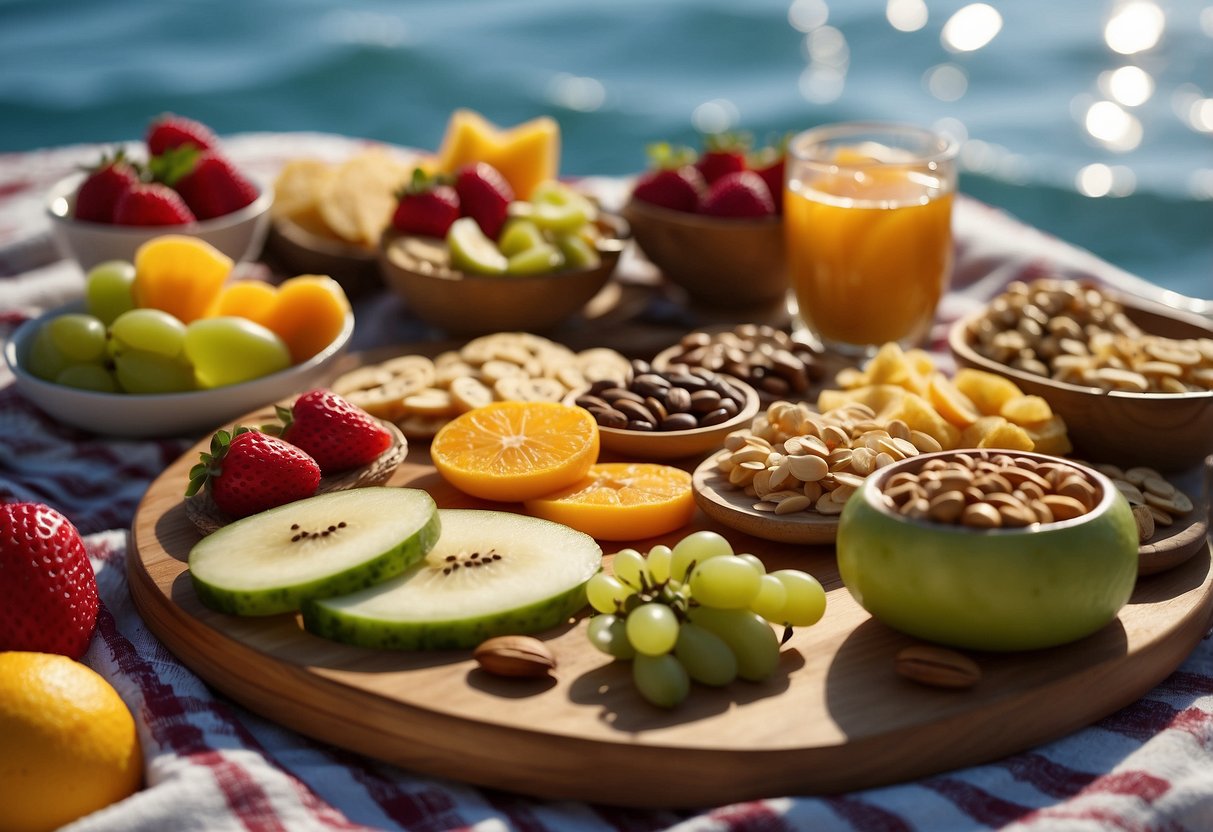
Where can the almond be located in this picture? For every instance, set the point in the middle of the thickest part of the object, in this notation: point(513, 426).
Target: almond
point(937, 666)
point(518, 656)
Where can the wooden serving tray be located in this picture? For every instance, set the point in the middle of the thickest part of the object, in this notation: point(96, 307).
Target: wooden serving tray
point(833, 718)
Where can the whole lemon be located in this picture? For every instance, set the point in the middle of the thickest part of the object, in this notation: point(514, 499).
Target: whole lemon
point(68, 744)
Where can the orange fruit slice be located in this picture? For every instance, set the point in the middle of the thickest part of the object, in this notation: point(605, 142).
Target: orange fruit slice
point(515, 451)
point(180, 275)
point(622, 501)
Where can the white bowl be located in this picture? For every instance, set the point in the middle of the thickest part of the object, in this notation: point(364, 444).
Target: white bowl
point(240, 234)
point(166, 414)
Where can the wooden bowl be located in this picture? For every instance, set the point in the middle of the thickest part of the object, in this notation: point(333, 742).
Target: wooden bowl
point(718, 262)
point(303, 251)
point(1167, 431)
point(675, 444)
point(472, 304)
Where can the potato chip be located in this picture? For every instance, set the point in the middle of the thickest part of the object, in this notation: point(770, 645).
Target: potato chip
point(298, 187)
point(359, 201)
point(1050, 436)
point(888, 366)
point(971, 436)
point(918, 414)
point(1026, 410)
point(1007, 436)
point(987, 391)
point(952, 405)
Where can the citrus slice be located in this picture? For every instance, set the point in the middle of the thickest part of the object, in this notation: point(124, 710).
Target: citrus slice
point(622, 501)
point(515, 451)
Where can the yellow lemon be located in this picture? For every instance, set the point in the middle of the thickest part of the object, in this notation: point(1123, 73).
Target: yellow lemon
point(68, 744)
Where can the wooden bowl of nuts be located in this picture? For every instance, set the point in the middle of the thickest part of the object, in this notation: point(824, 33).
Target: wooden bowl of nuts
point(718, 262)
point(989, 551)
point(774, 363)
point(672, 414)
point(1133, 380)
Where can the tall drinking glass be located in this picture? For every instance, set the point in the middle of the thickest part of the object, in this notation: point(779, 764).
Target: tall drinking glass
point(868, 222)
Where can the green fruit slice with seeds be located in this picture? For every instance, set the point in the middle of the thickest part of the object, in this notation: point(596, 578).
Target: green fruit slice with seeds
point(491, 573)
point(331, 544)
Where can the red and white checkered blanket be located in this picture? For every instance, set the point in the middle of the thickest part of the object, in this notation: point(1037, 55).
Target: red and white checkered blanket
point(212, 765)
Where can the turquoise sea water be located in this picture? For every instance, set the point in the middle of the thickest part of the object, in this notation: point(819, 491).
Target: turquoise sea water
point(1117, 162)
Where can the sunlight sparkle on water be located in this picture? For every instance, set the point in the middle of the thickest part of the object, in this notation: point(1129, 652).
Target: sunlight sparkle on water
point(1098, 179)
point(971, 28)
point(1112, 126)
point(907, 15)
point(1131, 86)
point(1135, 26)
point(947, 82)
point(807, 15)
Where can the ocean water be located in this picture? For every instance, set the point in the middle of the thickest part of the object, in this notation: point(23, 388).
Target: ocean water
point(1091, 120)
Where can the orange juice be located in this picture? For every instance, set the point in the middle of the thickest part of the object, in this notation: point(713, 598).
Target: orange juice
point(869, 247)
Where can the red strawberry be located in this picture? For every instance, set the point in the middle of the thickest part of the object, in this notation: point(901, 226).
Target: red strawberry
point(48, 591)
point(213, 187)
point(105, 184)
point(427, 206)
point(152, 204)
point(337, 434)
point(169, 131)
point(248, 471)
point(770, 164)
point(485, 196)
point(739, 195)
point(679, 189)
point(724, 153)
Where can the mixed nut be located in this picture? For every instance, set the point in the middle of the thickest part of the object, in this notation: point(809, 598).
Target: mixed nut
point(768, 359)
point(678, 398)
point(1072, 332)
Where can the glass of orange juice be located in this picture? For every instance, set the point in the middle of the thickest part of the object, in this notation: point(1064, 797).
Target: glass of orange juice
point(868, 225)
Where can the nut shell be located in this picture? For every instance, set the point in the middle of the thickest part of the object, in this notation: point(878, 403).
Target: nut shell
point(514, 656)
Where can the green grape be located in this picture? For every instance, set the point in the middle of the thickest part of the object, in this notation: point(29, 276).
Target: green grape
point(727, 582)
point(45, 360)
point(559, 208)
point(149, 330)
point(696, 548)
point(756, 562)
point(228, 350)
point(751, 639)
point(806, 602)
point(109, 289)
point(652, 629)
point(88, 377)
point(662, 680)
point(706, 657)
point(605, 593)
point(659, 563)
point(578, 253)
point(609, 634)
point(538, 259)
point(148, 372)
point(630, 568)
point(518, 235)
point(771, 598)
point(80, 338)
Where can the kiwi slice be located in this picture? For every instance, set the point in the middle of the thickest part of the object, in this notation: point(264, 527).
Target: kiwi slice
point(491, 573)
point(330, 544)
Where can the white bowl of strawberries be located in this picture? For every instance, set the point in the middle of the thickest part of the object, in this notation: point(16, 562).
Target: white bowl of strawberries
point(186, 185)
point(712, 222)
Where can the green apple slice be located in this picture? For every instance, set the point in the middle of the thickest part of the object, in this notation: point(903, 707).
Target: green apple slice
point(491, 573)
point(561, 209)
point(578, 253)
point(330, 544)
point(540, 258)
point(472, 251)
point(519, 235)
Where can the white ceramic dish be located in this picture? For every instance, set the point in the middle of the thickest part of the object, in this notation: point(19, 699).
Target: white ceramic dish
point(240, 234)
point(162, 415)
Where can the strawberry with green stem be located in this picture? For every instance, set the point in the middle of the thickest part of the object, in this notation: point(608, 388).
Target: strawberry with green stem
point(152, 203)
point(723, 153)
point(106, 183)
point(427, 206)
point(247, 471)
point(673, 181)
point(337, 434)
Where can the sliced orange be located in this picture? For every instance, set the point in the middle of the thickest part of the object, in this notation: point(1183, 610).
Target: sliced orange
point(622, 501)
point(180, 275)
point(515, 451)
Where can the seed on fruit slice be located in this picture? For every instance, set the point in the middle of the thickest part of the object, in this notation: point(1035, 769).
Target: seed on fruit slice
point(541, 258)
point(330, 544)
point(472, 251)
point(491, 573)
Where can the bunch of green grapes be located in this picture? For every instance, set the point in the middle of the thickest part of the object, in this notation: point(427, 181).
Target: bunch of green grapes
point(697, 612)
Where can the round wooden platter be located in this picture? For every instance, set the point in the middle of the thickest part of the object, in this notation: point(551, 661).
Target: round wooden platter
point(833, 718)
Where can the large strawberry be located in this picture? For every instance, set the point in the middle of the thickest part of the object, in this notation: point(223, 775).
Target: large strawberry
point(724, 153)
point(337, 434)
point(101, 189)
point(739, 195)
point(169, 131)
point(247, 471)
point(152, 204)
point(770, 163)
point(427, 206)
point(214, 187)
point(48, 591)
point(485, 196)
point(673, 181)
